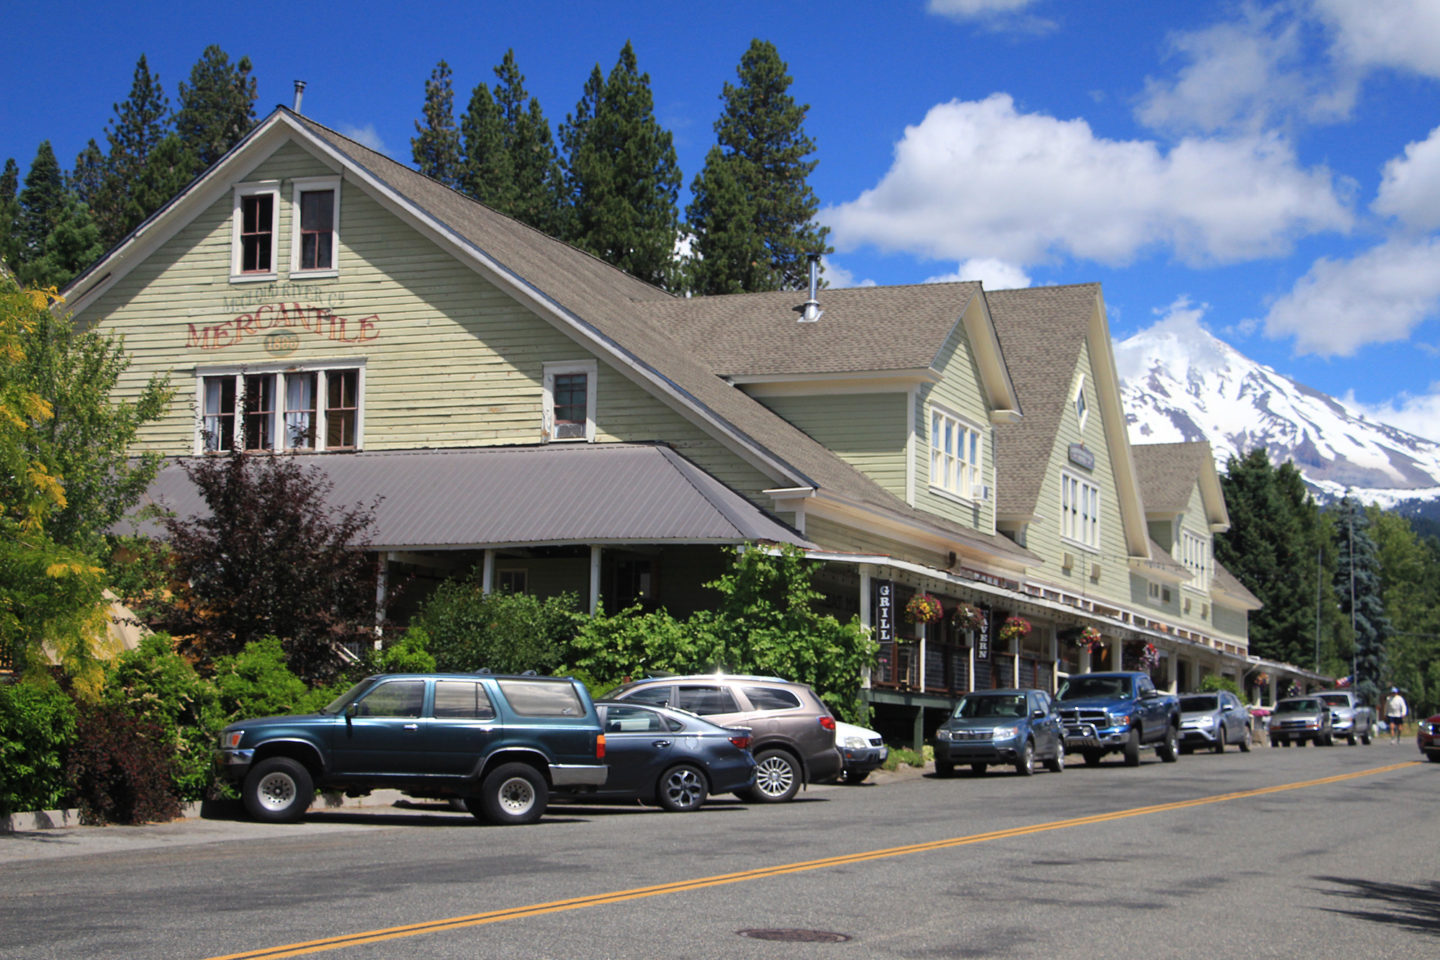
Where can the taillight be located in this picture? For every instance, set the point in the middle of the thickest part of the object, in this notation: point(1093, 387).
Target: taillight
point(741, 743)
point(599, 746)
point(828, 723)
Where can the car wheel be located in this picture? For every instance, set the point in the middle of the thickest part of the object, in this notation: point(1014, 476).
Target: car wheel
point(1025, 763)
point(854, 778)
point(512, 793)
point(1219, 745)
point(1365, 739)
point(1169, 749)
point(944, 769)
point(1274, 741)
point(1056, 764)
point(1132, 748)
point(1246, 740)
point(1299, 741)
point(978, 768)
point(1092, 757)
point(682, 789)
point(1186, 749)
point(278, 789)
point(777, 777)
point(1433, 756)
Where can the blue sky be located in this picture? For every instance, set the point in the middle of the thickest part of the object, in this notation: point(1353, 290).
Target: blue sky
point(1269, 169)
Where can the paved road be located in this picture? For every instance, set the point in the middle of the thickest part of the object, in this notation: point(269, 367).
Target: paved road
point(1276, 853)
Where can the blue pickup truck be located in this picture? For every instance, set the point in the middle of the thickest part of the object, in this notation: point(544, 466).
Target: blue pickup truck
point(1118, 713)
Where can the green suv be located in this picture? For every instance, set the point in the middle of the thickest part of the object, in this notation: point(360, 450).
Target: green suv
point(501, 743)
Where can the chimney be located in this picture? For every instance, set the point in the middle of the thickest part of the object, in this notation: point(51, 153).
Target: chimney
point(812, 311)
point(299, 94)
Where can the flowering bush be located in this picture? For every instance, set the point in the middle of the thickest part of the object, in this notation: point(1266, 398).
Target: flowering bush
point(1014, 627)
point(1089, 638)
point(969, 617)
point(923, 608)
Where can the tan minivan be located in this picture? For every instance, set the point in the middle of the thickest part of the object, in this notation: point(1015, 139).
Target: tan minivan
point(792, 732)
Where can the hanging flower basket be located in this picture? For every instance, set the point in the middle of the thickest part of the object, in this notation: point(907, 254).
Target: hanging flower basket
point(1088, 639)
point(1149, 657)
point(1014, 627)
point(969, 617)
point(1262, 679)
point(923, 608)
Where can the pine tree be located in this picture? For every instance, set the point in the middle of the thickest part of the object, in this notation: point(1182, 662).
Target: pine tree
point(762, 147)
point(538, 179)
point(167, 171)
point(1410, 584)
point(139, 124)
point(9, 212)
point(87, 179)
point(42, 205)
point(217, 108)
point(622, 174)
point(1358, 583)
point(437, 148)
point(486, 172)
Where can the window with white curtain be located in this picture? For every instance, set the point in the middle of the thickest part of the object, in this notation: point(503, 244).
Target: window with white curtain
point(1079, 511)
point(301, 409)
point(956, 455)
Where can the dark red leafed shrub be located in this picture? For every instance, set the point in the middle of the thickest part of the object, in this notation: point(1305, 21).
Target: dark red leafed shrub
point(121, 768)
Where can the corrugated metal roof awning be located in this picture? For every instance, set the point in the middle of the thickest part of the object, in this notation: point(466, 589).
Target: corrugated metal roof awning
point(534, 496)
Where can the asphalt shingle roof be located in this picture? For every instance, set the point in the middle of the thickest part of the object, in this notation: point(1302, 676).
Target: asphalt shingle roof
point(1168, 473)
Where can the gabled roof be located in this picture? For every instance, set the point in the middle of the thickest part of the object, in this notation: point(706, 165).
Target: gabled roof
point(598, 305)
point(1168, 474)
point(1041, 330)
point(539, 495)
point(1225, 582)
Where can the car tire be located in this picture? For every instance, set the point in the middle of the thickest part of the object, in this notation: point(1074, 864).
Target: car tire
point(777, 777)
point(1169, 749)
point(1186, 749)
point(979, 769)
point(1365, 739)
point(1300, 741)
point(853, 778)
point(1025, 762)
point(1056, 764)
point(1433, 756)
point(682, 789)
point(1246, 740)
point(944, 770)
point(1219, 745)
point(512, 793)
point(278, 790)
point(1132, 748)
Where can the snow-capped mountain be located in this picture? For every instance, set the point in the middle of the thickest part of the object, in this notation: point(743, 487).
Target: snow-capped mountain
point(1181, 383)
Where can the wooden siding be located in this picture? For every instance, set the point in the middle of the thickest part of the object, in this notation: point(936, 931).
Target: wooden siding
point(842, 538)
point(958, 393)
point(450, 359)
point(867, 430)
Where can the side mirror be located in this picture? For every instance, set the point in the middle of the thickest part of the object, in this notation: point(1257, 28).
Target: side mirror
point(352, 710)
point(1038, 715)
point(1150, 694)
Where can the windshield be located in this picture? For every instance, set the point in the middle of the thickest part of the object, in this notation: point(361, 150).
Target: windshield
point(338, 704)
point(1003, 705)
point(1112, 688)
point(1308, 705)
point(1197, 704)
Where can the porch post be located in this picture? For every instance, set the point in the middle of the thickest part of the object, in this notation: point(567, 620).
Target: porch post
point(487, 573)
point(867, 617)
point(594, 580)
point(382, 575)
point(1172, 671)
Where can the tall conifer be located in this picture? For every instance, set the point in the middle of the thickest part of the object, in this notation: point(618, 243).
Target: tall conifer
point(139, 124)
point(9, 211)
point(538, 180)
point(622, 174)
point(1358, 584)
point(437, 148)
point(486, 171)
point(762, 149)
point(217, 108)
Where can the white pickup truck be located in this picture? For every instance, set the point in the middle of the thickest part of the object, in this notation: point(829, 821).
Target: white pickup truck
point(1349, 718)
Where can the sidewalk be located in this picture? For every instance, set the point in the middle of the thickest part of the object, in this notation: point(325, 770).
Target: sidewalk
point(200, 810)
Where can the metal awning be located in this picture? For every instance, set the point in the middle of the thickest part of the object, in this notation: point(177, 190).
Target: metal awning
point(496, 497)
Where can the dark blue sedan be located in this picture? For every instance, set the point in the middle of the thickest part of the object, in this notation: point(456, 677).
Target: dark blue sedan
point(670, 757)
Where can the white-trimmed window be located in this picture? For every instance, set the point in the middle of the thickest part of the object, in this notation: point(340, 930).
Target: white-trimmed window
point(569, 401)
point(957, 453)
point(315, 227)
point(1082, 410)
point(299, 409)
point(1195, 554)
point(1079, 511)
point(254, 231)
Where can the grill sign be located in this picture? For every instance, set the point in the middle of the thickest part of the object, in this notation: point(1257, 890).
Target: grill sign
point(885, 611)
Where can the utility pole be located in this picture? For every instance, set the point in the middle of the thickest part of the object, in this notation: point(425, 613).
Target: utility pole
point(1354, 640)
point(1319, 558)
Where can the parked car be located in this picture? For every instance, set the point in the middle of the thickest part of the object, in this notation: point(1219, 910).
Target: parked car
point(669, 757)
point(1213, 720)
point(1349, 718)
point(1427, 738)
point(861, 751)
point(1118, 712)
point(1001, 726)
point(501, 743)
point(792, 732)
point(1301, 720)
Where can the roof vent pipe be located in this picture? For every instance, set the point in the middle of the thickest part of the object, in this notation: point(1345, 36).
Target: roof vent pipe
point(812, 310)
point(299, 94)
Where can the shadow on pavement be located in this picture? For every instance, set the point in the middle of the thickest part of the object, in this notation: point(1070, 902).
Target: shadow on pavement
point(1412, 906)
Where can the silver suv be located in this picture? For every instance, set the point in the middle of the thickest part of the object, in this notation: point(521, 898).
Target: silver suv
point(792, 732)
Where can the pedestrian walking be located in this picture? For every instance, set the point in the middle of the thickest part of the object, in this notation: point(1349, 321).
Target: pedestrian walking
point(1395, 711)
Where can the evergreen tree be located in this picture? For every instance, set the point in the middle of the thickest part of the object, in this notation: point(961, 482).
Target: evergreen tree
point(753, 192)
point(1410, 585)
point(9, 211)
point(139, 124)
point(622, 175)
point(486, 174)
point(168, 170)
point(217, 108)
point(437, 148)
point(87, 180)
point(42, 205)
point(538, 179)
point(71, 246)
point(1358, 583)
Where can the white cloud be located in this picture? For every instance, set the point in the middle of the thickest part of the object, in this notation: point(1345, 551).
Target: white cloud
point(366, 135)
point(978, 179)
point(1399, 34)
point(1410, 186)
point(994, 274)
point(1419, 415)
point(1379, 296)
point(838, 277)
point(995, 14)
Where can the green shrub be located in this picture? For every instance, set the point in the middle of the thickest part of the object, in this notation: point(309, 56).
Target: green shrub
point(153, 681)
point(256, 683)
point(1214, 683)
point(121, 767)
point(505, 632)
point(37, 728)
point(912, 758)
point(410, 653)
point(609, 649)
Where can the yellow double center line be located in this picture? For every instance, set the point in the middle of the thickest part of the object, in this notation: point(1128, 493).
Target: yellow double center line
point(699, 883)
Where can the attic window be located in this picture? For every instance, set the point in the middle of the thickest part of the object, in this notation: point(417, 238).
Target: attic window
point(569, 401)
point(1081, 410)
point(253, 230)
point(315, 226)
